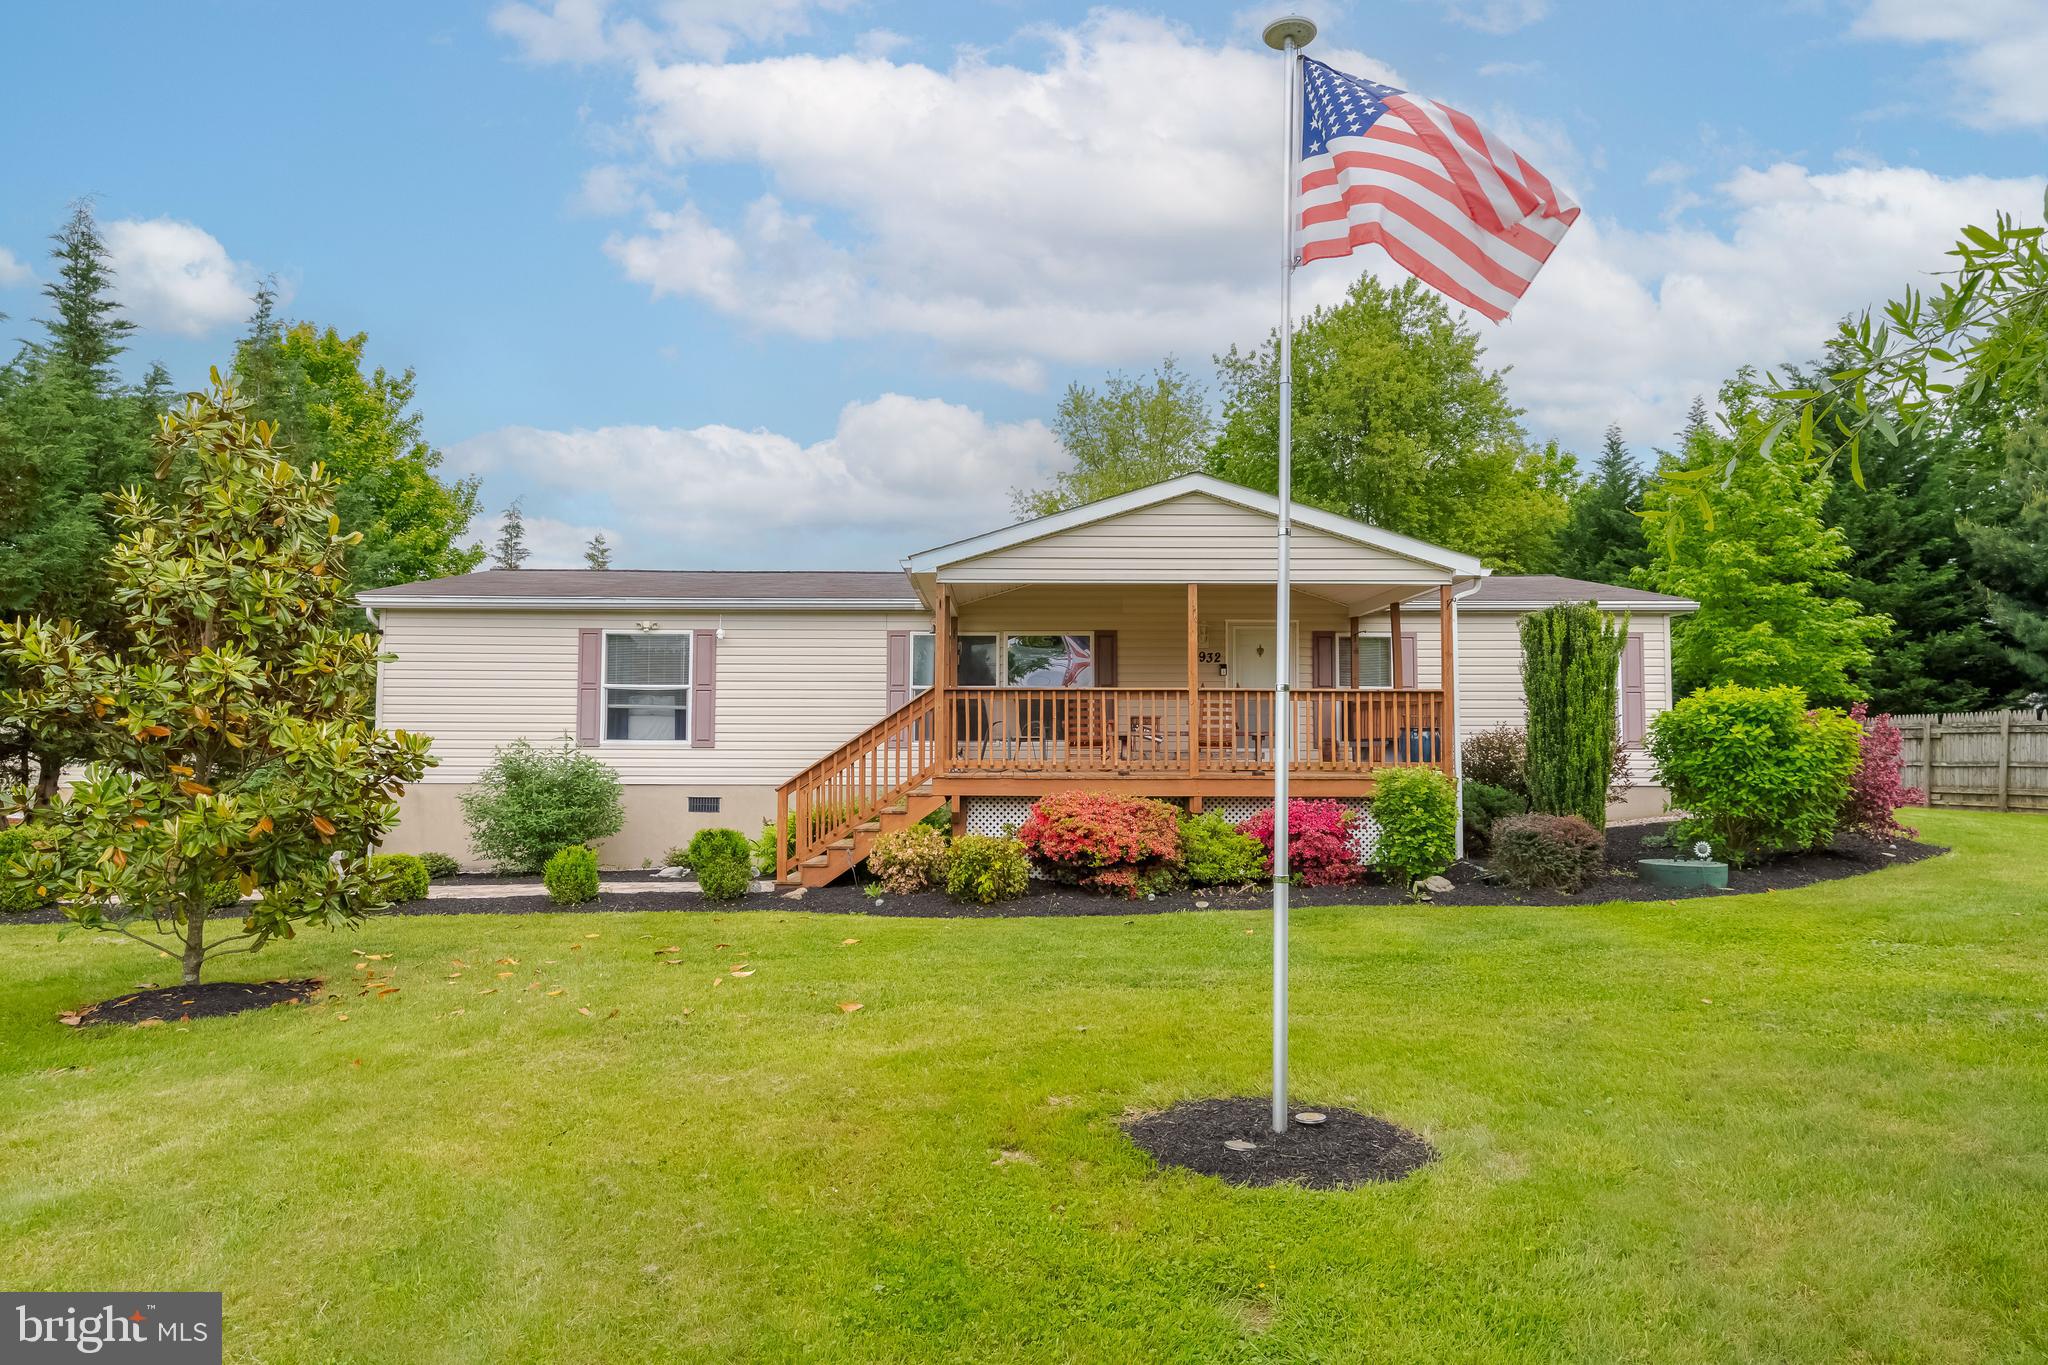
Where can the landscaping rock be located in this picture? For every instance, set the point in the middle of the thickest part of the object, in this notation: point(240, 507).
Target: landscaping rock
point(1435, 886)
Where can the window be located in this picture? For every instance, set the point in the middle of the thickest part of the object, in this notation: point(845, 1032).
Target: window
point(1375, 661)
point(923, 654)
point(647, 687)
point(1049, 660)
point(976, 665)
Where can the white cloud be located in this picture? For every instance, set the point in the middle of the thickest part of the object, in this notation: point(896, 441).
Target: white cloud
point(12, 270)
point(2000, 52)
point(1627, 326)
point(551, 543)
point(174, 277)
point(1497, 16)
point(610, 190)
point(1510, 68)
point(587, 31)
point(904, 471)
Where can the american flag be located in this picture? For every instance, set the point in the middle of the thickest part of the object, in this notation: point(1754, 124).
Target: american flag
point(1451, 203)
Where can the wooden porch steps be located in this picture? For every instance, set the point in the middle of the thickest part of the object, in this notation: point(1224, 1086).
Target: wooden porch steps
point(842, 856)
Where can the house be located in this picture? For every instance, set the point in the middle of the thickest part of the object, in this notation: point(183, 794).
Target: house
point(1126, 645)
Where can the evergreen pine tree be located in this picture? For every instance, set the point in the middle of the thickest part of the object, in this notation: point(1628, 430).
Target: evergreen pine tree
point(510, 550)
point(598, 554)
point(1603, 537)
point(2010, 553)
point(88, 330)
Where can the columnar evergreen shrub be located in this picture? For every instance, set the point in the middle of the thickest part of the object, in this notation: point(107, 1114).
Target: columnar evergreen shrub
point(1485, 805)
point(1756, 771)
point(530, 802)
point(439, 866)
point(982, 869)
point(571, 875)
point(1318, 843)
point(1498, 757)
point(1877, 788)
point(1214, 852)
point(1416, 810)
point(906, 861)
point(1106, 843)
point(1571, 661)
point(408, 875)
point(1548, 852)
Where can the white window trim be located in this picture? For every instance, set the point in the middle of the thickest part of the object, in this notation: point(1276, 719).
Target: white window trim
point(604, 692)
point(915, 636)
point(1392, 645)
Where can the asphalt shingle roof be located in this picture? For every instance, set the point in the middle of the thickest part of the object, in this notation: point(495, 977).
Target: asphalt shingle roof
point(666, 585)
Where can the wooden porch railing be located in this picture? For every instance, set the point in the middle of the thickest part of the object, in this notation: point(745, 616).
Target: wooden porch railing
point(852, 784)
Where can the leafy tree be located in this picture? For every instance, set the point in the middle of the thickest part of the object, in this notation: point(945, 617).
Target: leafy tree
point(309, 383)
point(1751, 548)
point(230, 747)
point(1603, 538)
point(2011, 553)
point(598, 554)
point(88, 331)
point(510, 552)
point(1128, 434)
point(1396, 422)
point(1571, 669)
point(531, 802)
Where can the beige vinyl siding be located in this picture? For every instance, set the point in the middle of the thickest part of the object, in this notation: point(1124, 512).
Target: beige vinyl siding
point(1490, 659)
point(1194, 538)
point(791, 687)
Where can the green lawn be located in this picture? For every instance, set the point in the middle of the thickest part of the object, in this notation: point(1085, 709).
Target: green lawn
point(1798, 1126)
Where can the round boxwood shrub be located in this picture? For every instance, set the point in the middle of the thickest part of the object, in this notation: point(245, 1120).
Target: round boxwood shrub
point(531, 801)
point(982, 869)
point(1756, 772)
point(18, 896)
point(571, 876)
point(906, 861)
point(1214, 852)
point(1485, 805)
point(722, 877)
point(408, 875)
point(1548, 852)
point(440, 867)
point(1417, 812)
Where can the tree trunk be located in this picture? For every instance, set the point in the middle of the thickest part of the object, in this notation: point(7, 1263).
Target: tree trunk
point(49, 770)
point(195, 945)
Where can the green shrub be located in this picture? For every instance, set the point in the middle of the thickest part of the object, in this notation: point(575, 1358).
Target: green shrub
point(1755, 771)
point(764, 845)
point(1416, 810)
point(221, 895)
point(718, 844)
point(1499, 758)
point(1486, 804)
point(722, 877)
point(906, 861)
point(408, 875)
point(440, 867)
point(531, 802)
point(571, 875)
point(677, 856)
point(982, 869)
point(1548, 852)
point(1215, 852)
point(18, 897)
point(1571, 670)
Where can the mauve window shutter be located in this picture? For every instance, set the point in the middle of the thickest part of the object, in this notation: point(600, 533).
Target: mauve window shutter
point(899, 670)
point(1322, 659)
point(1410, 660)
point(1632, 695)
point(589, 687)
point(704, 689)
point(1105, 658)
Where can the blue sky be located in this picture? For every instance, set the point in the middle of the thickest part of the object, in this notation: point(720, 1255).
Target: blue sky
point(761, 282)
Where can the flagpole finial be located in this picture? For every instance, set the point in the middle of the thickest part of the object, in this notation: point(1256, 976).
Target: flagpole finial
point(1293, 27)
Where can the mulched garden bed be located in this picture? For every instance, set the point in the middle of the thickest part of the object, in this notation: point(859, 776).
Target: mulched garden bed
point(1348, 1148)
point(208, 1000)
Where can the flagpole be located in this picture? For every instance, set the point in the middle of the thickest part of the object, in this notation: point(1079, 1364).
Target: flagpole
point(1289, 35)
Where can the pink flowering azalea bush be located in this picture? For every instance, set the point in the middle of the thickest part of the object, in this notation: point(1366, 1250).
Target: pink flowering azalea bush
point(1119, 844)
point(1318, 842)
point(1878, 788)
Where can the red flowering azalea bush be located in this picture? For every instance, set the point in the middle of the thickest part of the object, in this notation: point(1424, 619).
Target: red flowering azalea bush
point(1120, 844)
point(1318, 842)
point(1878, 786)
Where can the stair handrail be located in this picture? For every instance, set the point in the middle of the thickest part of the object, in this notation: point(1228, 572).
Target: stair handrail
point(856, 781)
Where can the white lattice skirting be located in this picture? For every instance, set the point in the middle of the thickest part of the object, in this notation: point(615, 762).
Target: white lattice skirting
point(996, 815)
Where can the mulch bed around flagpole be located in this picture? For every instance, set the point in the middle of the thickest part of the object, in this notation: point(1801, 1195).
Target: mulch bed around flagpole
point(1347, 1149)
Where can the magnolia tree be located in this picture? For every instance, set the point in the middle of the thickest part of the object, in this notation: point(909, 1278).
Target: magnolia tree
point(231, 746)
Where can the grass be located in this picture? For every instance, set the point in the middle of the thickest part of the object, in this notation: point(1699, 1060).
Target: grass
point(1806, 1125)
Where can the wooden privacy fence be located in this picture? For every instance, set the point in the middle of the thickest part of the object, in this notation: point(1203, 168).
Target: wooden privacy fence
point(1991, 760)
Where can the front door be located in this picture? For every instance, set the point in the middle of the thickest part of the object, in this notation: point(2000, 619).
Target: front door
point(1252, 660)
